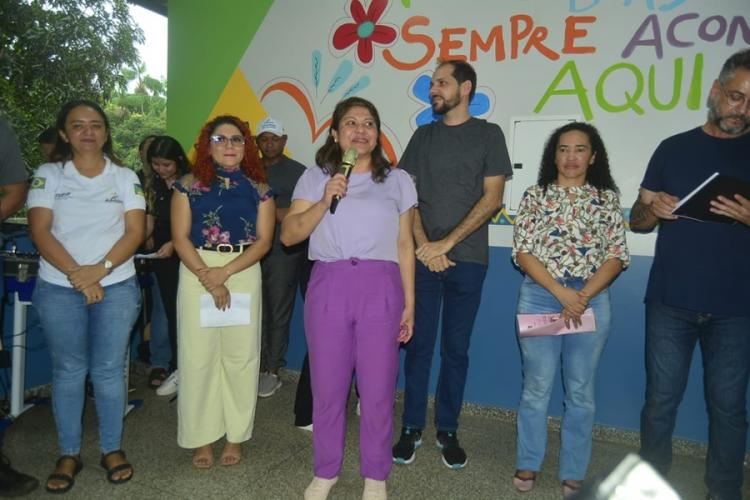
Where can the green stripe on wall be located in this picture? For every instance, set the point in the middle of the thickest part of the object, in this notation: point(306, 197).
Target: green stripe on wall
point(206, 41)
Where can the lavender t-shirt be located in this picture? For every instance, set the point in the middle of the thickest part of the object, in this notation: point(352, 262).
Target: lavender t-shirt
point(366, 221)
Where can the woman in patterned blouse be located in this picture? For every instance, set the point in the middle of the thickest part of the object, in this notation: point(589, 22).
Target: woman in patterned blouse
point(222, 224)
point(569, 240)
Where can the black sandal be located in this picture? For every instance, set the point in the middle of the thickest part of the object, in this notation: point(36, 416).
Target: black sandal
point(157, 375)
point(67, 478)
point(111, 471)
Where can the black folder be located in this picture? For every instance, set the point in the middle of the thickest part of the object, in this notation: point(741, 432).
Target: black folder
point(697, 204)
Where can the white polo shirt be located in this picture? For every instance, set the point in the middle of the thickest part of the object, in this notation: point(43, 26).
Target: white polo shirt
point(88, 214)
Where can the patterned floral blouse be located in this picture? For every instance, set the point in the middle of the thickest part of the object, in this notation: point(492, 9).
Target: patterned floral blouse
point(572, 238)
point(225, 211)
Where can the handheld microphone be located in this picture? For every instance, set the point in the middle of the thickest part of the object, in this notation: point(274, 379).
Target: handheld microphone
point(347, 165)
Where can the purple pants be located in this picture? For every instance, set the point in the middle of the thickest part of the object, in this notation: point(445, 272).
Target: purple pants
point(352, 316)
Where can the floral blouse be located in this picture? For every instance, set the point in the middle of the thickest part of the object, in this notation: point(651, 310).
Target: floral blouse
point(572, 238)
point(226, 210)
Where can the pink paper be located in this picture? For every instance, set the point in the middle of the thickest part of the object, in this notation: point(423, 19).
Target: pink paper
point(530, 325)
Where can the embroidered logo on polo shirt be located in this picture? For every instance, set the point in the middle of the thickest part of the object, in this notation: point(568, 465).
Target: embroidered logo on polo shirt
point(138, 189)
point(62, 196)
point(113, 198)
point(38, 182)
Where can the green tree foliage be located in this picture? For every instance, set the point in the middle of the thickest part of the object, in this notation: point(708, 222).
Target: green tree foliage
point(133, 117)
point(52, 51)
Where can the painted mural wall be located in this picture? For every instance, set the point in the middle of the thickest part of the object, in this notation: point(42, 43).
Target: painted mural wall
point(640, 70)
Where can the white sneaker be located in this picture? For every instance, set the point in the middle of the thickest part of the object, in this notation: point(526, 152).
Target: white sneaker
point(374, 490)
point(169, 386)
point(308, 427)
point(319, 488)
point(268, 383)
point(359, 408)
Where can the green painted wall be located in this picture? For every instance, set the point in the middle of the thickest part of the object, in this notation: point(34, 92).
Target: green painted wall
point(206, 42)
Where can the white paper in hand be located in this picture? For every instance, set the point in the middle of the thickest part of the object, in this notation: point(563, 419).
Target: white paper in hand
point(237, 314)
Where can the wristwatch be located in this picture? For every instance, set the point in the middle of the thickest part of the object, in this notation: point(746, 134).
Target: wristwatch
point(107, 265)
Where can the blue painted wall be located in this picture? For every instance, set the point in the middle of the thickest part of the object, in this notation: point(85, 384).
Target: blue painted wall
point(495, 369)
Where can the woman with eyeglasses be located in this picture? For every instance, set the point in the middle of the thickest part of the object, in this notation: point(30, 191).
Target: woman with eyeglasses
point(222, 224)
point(86, 217)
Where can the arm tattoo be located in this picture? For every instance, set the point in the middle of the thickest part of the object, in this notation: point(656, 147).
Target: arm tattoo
point(641, 216)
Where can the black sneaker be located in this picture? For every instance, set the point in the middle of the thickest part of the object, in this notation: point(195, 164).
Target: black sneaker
point(14, 483)
point(454, 456)
point(405, 450)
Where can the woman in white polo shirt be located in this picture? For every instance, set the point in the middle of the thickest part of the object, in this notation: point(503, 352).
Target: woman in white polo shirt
point(86, 217)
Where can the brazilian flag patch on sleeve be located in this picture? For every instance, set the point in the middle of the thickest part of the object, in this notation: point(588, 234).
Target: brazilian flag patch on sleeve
point(38, 182)
point(138, 189)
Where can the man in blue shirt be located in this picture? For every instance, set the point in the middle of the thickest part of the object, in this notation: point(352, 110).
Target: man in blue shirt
point(699, 286)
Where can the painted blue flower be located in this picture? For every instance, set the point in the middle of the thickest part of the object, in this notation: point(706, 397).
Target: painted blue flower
point(480, 104)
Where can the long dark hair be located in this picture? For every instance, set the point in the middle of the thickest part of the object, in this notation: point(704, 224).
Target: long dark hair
point(163, 146)
point(62, 150)
point(329, 156)
point(598, 173)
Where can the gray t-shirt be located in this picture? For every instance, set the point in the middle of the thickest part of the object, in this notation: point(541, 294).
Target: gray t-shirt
point(282, 177)
point(449, 164)
point(12, 168)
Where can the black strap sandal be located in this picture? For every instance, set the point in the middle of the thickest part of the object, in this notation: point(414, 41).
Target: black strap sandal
point(111, 471)
point(68, 479)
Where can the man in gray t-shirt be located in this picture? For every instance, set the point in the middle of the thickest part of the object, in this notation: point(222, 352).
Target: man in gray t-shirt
point(13, 184)
point(12, 173)
point(281, 267)
point(459, 165)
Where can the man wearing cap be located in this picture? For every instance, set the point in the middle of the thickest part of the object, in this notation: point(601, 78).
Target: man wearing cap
point(281, 266)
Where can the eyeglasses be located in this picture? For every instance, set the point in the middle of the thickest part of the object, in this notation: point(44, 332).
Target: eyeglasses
point(734, 98)
point(222, 140)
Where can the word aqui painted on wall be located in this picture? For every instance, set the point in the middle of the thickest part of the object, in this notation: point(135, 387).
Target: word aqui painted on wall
point(418, 42)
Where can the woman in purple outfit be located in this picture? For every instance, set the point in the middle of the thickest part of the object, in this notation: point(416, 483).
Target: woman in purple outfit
point(360, 299)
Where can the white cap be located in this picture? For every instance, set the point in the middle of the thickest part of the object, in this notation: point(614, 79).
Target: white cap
point(271, 125)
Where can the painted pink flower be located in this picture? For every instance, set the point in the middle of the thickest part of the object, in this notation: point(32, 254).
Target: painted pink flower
point(365, 30)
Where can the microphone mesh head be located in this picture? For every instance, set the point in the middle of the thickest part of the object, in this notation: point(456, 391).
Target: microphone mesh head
point(350, 157)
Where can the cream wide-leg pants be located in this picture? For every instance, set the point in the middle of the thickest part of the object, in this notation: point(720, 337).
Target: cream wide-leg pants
point(218, 366)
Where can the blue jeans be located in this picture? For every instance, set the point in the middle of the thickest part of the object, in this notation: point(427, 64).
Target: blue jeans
point(671, 335)
point(161, 351)
point(579, 354)
point(459, 291)
point(87, 339)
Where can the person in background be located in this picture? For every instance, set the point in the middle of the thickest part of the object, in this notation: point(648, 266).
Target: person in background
point(168, 163)
point(46, 140)
point(569, 241)
point(154, 317)
point(222, 225)
point(86, 218)
point(360, 300)
point(460, 164)
point(14, 187)
point(282, 265)
point(698, 287)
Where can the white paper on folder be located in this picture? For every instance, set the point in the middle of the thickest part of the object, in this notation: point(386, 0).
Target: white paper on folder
point(237, 314)
point(554, 324)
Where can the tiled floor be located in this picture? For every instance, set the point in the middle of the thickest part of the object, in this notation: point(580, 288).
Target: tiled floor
point(278, 459)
